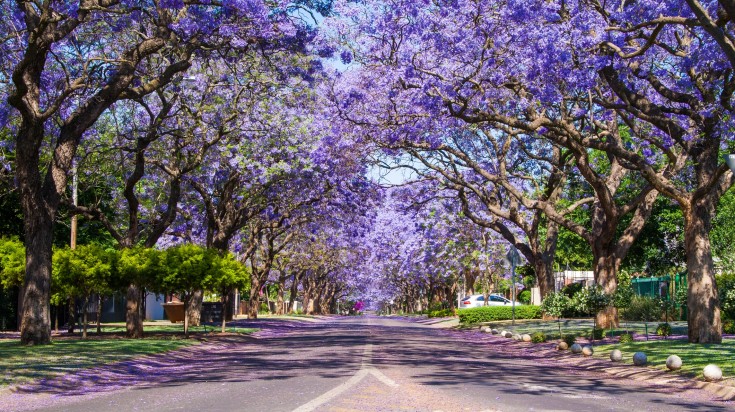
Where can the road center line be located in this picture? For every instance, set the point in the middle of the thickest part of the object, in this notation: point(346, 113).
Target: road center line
point(366, 369)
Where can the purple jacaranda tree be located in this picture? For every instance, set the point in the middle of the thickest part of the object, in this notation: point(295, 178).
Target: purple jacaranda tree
point(512, 69)
point(68, 62)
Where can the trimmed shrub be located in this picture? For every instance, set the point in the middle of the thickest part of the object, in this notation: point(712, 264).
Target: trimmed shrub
point(598, 333)
point(496, 313)
point(643, 308)
point(441, 313)
point(625, 338)
point(663, 329)
point(569, 339)
point(538, 337)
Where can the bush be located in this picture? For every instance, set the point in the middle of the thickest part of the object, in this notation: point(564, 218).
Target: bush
point(263, 308)
point(663, 329)
point(590, 300)
point(525, 297)
point(496, 313)
point(569, 339)
point(728, 326)
point(435, 306)
point(598, 333)
point(555, 304)
point(642, 308)
point(538, 337)
point(441, 313)
point(726, 289)
point(625, 338)
point(572, 289)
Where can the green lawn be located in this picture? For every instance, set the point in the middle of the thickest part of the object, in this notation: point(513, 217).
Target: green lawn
point(21, 364)
point(581, 327)
point(694, 357)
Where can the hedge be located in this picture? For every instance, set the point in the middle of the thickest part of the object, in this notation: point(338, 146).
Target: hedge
point(495, 313)
point(441, 313)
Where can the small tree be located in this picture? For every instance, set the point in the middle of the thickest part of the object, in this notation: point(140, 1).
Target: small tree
point(84, 271)
point(12, 262)
point(226, 275)
point(591, 300)
point(12, 270)
point(187, 270)
point(554, 304)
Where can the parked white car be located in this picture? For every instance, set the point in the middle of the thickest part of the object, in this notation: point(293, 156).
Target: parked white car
point(476, 301)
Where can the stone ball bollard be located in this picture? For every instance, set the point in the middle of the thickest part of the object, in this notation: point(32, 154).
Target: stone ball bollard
point(484, 329)
point(562, 346)
point(712, 373)
point(494, 331)
point(616, 355)
point(673, 362)
point(526, 337)
point(516, 337)
point(576, 348)
point(507, 334)
point(587, 351)
point(640, 359)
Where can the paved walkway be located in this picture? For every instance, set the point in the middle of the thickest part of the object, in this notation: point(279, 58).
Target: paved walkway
point(354, 364)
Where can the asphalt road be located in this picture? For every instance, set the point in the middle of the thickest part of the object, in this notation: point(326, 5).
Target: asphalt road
point(352, 364)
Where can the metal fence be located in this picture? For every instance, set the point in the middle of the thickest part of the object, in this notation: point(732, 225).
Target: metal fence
point(661, 286)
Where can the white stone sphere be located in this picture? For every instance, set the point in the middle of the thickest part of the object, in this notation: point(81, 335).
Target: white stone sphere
point(712, 373)
point(516, 337)
point(494, 331)
point(673, 362)
point(587, 351)
point(562, 346)
point(484, 329)
point(576, 348)
point(616, 355)
point(507, 334)
point(640, 359)
point(526, 337)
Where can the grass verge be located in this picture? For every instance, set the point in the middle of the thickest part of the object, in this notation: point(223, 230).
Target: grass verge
point(174, 329)
point(694, 356)
point(21, 364)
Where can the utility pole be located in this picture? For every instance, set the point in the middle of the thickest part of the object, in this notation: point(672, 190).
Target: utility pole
point(514, 259)
point(74, 198)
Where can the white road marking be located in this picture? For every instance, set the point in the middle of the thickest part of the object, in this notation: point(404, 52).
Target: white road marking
point(366, 369)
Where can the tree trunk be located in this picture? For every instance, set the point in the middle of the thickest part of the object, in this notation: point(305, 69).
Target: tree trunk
point(85, 310)
point(194, 311)
point(254, 303)
point(35, 327)
point(99, 314)
point(281, 291)
point(605, 269)
point(469, 282)
point(72, 316)
point(292, 294)
point(545, 275)
point(133, 319)
point(225, 302)
point(703, 304)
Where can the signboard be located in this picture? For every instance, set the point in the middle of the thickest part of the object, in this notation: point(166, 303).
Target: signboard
point(730, 160)
point(514, 259)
